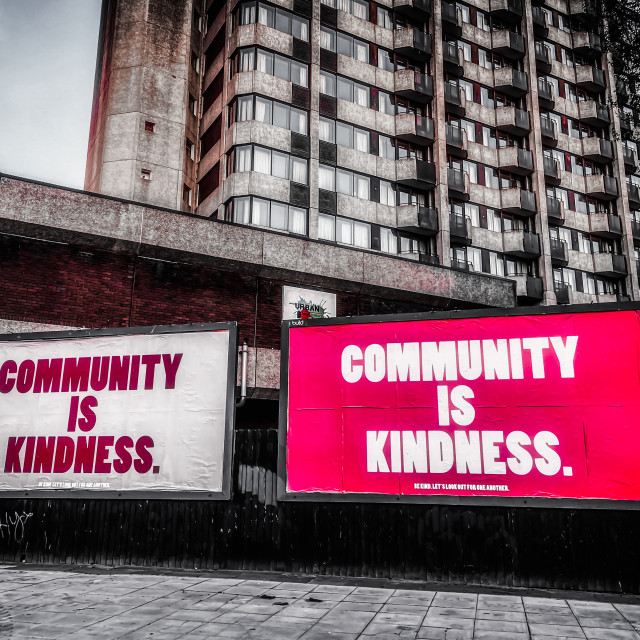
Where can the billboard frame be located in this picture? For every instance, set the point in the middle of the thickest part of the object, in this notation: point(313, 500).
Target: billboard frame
point(230, 405)
point(452, 500)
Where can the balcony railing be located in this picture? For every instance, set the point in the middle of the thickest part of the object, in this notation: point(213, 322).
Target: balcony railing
point(456, 182)
point(546, 94)
point(459, 228)
point(511, 81)
point(587, 44)
point(508, 10)
point(562, 292)
point(590, 78)
point(597, 149)
point(594, 113)
point(543, 61)
point(551, 170)
point(414, 9)
point(540, 26)
point(454, 99)
point(629, 158)
point(555, 211)
point(634, 196)
point(507, 43)
point(558, 251)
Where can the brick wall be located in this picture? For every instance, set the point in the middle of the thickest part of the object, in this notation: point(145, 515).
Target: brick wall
point(56, 283)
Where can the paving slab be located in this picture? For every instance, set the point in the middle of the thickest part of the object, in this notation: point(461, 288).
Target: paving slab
point(90, 605)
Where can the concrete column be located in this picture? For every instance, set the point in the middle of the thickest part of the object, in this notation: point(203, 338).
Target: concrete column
point(440, 144)
point(535, 142)
point(624, 210)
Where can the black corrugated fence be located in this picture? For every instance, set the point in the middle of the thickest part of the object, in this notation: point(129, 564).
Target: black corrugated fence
point(507, 546)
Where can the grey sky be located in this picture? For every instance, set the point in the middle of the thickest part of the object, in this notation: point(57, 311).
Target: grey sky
point(47, 64)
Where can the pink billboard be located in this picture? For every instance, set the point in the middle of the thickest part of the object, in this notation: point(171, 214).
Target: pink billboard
point(519, 406)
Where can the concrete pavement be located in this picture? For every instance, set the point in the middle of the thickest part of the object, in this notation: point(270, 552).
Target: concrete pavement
point(102, 604)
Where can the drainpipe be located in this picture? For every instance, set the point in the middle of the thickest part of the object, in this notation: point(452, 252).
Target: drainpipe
point(244, 350)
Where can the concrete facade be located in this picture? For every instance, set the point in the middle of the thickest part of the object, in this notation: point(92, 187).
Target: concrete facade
point(501, 113)
point(72, 259)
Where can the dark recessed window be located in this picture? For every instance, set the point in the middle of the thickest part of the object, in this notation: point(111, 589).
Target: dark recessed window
point(149, 126)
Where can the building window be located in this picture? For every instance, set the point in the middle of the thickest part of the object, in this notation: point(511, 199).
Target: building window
point(193, 105)
point(272, 64)
point(190, 149)
point(270, 162)
point(275, 18)
point(145, 174)
point(357, 8)
point(149, 126)
point(343, 181)
point(195, 62)
point(260, 212)
point(271, 112)
point(187, 195)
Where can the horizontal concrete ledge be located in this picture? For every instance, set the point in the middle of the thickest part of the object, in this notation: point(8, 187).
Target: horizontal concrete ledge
point(64, 215)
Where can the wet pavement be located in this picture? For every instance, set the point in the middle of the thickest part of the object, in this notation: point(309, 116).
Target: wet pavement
point(87, 604)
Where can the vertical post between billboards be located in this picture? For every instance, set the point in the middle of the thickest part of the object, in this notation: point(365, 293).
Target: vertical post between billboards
point(517, 407)
point(145, 412)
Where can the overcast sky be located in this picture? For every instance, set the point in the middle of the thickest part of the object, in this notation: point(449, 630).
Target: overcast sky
point(47, 63)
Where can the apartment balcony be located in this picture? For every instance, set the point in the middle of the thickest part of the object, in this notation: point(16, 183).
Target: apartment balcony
point(456, 141)
point(529, 287)
point(506, 10)
point(508, 44)
point(460, 229)
point(626, 123)
point(630, 160)
point(458, 184)
point(540, 25)
point(597, 149)
point(549, 132)
point(452, 59)
point(521, 244)
point(416, 219)
point(513, 120)
point(418, 174)
point(451, 19)
point(551, 171)
point(515, 160)
point(454, 99)
point(594, 113)
point(590, 78)
point(518, 202)
point(562, 292)
point(634, 196)
point(413, 85)
point(543, 60)
point(579, 8)
point(603, 187)
point(555, 211)
point(605, 225)
point(587, 44)
point(559, 254)
point(546, 95)
point(416, 129)
point(412, 43)
point(511, 82)
point(610, 265)
point(418, 10)
point(635, 230)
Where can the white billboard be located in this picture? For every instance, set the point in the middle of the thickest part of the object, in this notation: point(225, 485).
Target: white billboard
point(135, 412)
point(307, 304)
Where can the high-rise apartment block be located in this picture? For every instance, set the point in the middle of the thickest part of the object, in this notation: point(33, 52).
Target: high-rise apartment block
point(483, 135)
